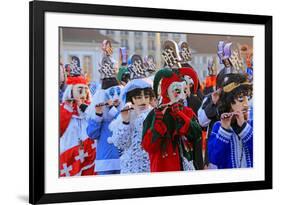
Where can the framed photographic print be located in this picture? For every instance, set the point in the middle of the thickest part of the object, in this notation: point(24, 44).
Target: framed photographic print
point(130, 102)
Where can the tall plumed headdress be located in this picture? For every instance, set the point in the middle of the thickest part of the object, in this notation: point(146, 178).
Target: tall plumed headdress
point(212, 69)
point(224, 51)
point(74, 69)
point(108, 69)
point(123, 56)
point(171, 54)
point(149, 64)
point(107, 47)
point(230, 58)
point(136, 67)
point(185, 52)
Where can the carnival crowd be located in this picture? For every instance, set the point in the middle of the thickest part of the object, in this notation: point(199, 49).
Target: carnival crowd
point(140, 118)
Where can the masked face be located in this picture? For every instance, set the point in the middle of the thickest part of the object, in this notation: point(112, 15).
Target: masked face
point(80, 91)
point(113, 93)
point(241, 103)
point(141, 102)
point(178, 91)
point(226, 63)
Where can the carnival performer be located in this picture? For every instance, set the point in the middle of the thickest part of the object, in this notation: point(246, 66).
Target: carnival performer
point(194, 99)
point(231, 141)
point(171, 134)
point(210, 81)
point(123, 75)
point(104, 108)
point(208, 113)
point(77, 150)
point(127, 128)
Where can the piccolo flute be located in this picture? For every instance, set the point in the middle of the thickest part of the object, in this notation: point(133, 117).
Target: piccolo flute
point(102, 104)
point(127, 109)
point(106, 103)
point(228, 115)
point(162, 106)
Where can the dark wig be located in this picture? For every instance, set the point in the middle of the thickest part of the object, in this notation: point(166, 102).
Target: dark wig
point(137, 91)
point(227, 98)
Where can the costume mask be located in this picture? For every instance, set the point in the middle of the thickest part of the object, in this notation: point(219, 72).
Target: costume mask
point(80, 91)
point(177, 91)
point(241, 103)
point(113, 93)
point(141, 102)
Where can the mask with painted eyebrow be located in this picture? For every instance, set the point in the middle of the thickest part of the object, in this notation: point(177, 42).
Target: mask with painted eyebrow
point(80, 91)
point(176, 91)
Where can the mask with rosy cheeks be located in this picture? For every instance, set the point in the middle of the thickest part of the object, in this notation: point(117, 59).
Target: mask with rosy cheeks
point(177, 91)
point(141, 102)
point(80, 91)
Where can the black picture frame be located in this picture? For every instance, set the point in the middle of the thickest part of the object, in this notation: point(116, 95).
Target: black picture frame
point(37, 11)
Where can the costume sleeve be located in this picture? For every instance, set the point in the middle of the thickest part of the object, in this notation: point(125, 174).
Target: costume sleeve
point(195, 136)
point(66, 112)
point(121, 137)
point(207, 111)
point(186, 119)
point(247, 140)
point(154, 130)
point(94, 127)
point(218, 143)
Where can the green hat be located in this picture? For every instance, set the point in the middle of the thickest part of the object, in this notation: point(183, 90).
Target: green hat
point(122, 70)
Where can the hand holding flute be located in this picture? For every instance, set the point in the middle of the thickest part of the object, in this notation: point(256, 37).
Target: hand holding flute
point(227, 117)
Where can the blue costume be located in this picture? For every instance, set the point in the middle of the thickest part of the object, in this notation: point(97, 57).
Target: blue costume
point(107, 157)
point(231, 148)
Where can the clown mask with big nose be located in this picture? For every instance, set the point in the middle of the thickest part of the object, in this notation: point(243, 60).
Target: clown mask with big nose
point(178, 91)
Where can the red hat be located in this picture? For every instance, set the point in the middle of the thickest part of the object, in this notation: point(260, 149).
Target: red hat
point(76, 80)
point(167, 77)
point(192, 74)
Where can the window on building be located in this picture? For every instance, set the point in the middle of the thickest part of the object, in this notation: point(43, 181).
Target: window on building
point(139, 45)
point(150, 34)
point(164, 35)
point(124, 32)
point(125, 43)
point(87, 67)
point(109, 32)
point(151, 45)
